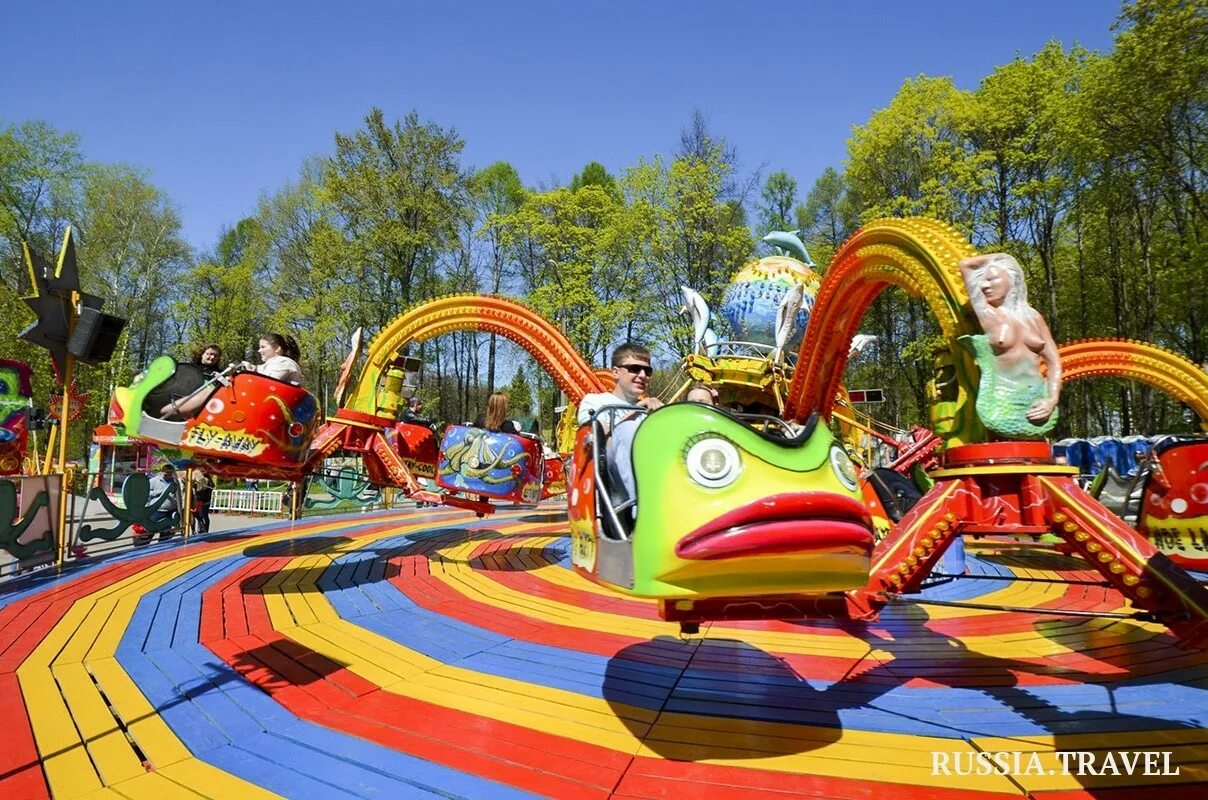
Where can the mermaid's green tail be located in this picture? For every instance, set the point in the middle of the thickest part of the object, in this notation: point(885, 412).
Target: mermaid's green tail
point(1003, 402)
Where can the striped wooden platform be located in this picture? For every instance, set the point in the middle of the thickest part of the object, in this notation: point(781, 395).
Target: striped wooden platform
point(437, 655)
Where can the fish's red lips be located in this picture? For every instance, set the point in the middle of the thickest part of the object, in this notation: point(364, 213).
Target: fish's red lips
point(797, 522)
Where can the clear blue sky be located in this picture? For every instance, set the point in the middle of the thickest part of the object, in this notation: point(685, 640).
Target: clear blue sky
point(222, 101)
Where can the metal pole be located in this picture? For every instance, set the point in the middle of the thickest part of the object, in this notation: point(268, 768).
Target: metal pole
point(64, 473)
point(186, 515)
point(50, 448)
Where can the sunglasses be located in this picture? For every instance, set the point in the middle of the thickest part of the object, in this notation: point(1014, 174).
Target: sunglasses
point(637, 369)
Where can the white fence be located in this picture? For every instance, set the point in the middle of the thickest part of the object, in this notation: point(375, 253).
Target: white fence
point(248, 501)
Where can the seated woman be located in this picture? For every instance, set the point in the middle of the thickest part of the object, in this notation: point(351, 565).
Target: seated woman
point(496, 418)
point(279, 355)
point(208, 360)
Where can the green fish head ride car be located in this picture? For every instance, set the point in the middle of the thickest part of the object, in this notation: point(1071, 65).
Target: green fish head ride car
point(728, 506)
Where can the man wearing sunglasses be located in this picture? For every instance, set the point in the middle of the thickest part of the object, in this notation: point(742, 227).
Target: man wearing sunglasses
point(631, 366)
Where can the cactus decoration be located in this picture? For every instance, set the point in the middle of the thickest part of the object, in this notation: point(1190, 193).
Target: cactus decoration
point(345, 488)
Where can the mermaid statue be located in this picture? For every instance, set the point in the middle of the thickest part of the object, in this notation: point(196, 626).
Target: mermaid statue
point(1014, 400)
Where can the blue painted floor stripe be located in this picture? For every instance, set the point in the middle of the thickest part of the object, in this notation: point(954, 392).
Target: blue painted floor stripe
point(888, 707)
point(238, 728)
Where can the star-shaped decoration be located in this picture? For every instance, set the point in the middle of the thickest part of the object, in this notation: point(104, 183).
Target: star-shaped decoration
point(77, 401)
point(52, 300)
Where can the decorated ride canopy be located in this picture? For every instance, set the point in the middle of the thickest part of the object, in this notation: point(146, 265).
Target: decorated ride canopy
point(1091, 456)
point(766, 308)
point(751, 302)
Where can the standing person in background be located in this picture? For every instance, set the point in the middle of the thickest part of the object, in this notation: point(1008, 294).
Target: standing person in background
point(203, 495)
point(279, 356)
point(163, 484)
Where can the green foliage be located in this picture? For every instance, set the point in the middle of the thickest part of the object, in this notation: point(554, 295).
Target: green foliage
point(779, 198)
point(829, 215)
point(911, 157)
point(594, 174)
point(313, 292)
point(574, 243)
point(496, 190)
point(132, 253)
point(1089, 168)
point(520, 395)
point(693, 234)
point(400, 194)
point(41, 186)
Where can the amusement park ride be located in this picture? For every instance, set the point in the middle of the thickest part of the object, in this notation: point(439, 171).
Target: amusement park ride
point(750, 509)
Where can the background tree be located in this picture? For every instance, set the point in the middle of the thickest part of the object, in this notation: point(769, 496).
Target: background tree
point(520, 395)
point(42, 176)
point(496, 191)
point(400, 194)
point(829, 215)
point(779, 198)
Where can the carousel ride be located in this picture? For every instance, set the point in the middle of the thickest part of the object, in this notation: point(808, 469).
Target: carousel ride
point(428, 653)
point(750, 508)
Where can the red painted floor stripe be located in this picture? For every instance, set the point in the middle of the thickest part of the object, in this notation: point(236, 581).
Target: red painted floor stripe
point(331, 695)
point(21, 773)
point(420, 586)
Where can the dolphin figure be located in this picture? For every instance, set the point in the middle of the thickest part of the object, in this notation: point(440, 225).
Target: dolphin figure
point(788, 243)
point(703, 336)
point(859, 342)
point(786, 317)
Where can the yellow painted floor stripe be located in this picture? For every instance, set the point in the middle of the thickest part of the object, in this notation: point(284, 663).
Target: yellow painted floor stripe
point(68, 713)
point(56, 681)
point(567, 714)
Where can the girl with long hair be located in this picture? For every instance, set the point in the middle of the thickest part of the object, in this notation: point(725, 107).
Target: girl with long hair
point(496, 418)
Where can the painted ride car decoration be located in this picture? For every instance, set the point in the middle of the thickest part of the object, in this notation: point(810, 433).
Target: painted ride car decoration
point(15, 393)
point(723, 509)
point(1174, 505)
point(248, 417)
point(499, 465)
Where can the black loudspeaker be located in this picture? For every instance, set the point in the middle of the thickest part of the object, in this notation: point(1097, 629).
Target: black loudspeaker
point(95, 336)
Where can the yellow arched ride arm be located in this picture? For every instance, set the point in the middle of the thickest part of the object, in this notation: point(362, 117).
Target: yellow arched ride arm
point(485, 313)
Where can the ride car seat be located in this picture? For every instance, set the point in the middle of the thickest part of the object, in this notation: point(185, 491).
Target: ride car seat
point(184, 381)
point(616, 507)
point(897, 493)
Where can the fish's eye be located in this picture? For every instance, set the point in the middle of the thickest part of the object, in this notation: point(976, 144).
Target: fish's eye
point(713, 463)
point(845, 471)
